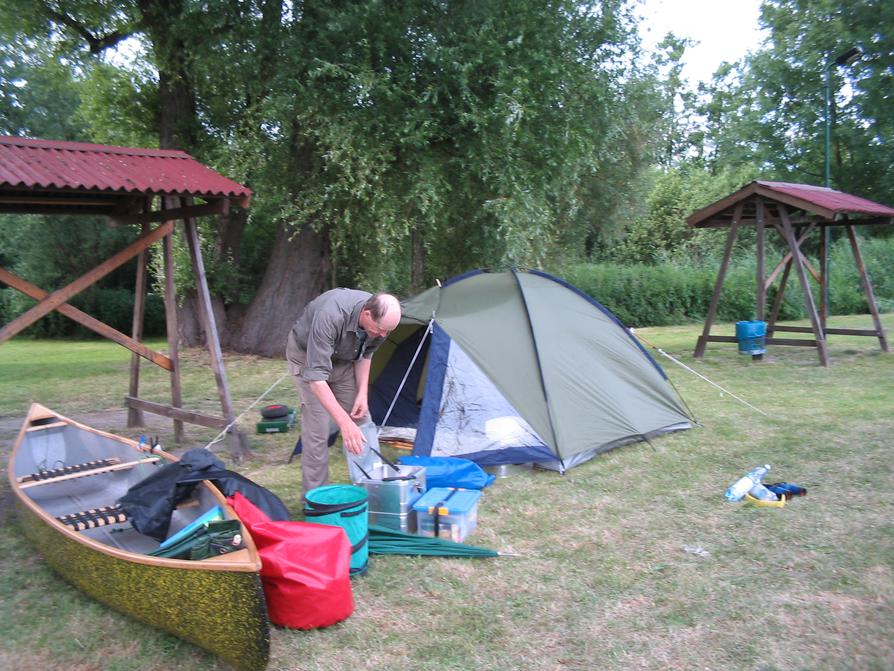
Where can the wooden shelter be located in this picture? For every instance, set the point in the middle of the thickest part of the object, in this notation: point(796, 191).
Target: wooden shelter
point(129, 186)
point(796, 212)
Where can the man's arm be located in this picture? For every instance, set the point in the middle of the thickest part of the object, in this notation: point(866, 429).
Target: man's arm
point(361, 379)
point(351, 435)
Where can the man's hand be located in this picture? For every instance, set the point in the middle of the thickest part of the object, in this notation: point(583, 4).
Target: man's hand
point(352, 437)
point(360, 407)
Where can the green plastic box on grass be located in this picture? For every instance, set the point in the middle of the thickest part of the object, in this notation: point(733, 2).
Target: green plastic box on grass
point(280, 425)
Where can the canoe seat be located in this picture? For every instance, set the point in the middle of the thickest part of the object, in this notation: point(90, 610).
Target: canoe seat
point(45, 474)
point(97, 467)
point(95, 517)
point(105, 515)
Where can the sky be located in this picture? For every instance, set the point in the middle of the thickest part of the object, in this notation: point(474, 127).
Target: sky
point(723, 29)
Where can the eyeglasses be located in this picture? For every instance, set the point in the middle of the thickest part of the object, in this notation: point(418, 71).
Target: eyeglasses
point(376, 331)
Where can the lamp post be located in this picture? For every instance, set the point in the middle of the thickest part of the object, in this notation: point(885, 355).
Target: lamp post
point(847, 58)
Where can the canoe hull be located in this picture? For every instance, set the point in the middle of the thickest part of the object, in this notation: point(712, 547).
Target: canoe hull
point(222, 611)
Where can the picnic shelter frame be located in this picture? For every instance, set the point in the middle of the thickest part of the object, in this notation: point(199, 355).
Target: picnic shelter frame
point(795, 212)
point(154, 189)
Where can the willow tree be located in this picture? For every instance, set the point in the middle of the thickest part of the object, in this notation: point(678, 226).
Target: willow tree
point(771, 109)
point(386, 143)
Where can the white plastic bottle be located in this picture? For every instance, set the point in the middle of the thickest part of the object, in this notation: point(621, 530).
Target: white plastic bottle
point(761, 493)
point(743, 485)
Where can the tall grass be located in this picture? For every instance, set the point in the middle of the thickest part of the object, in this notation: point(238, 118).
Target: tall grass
point(602, 578)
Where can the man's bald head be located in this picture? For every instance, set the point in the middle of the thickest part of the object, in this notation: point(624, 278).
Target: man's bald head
point(380, 314)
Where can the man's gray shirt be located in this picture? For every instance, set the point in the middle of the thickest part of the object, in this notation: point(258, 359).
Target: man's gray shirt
point(328, 330)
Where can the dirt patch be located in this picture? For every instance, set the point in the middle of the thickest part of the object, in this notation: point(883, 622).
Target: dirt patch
point(113, 420)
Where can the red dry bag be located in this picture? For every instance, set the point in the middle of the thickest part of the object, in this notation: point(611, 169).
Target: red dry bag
point(305, 568)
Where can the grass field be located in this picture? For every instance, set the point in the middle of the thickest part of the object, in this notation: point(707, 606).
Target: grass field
point(602, 581)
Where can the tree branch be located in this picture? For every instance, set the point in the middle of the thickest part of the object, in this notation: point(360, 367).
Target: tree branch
point(96, 43)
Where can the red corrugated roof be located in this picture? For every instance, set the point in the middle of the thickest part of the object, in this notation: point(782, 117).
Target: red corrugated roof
point(829, 199)
point(820, 201)
point(50, 164)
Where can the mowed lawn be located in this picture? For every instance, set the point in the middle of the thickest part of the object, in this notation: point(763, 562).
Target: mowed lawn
point(606, 574)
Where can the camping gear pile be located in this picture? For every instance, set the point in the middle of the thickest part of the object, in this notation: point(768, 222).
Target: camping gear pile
point(305, 569)
point(443, 512)
point(490, 369)
point(342, 506)
point(751, 489)
point(392, 492)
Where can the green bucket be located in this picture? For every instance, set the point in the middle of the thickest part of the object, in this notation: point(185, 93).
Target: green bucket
point(343, 506)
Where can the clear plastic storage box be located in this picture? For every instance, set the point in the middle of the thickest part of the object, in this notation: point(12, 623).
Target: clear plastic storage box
point(447, 513)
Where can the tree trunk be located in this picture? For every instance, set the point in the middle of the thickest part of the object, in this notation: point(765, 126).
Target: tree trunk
point(178, 126)
point(417, 261)
point(297, 273)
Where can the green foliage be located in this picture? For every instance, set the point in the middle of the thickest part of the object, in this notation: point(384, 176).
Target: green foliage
point(662, 233)
point(845, 291)
point(771, 110)
point(51, 252)
point(666, 293)
point(110, 305)
point(37, 91)
point(470, 128)
point(119, 106)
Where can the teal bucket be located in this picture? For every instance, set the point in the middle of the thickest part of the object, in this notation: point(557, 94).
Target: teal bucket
point(343, 506)
point(751, 336)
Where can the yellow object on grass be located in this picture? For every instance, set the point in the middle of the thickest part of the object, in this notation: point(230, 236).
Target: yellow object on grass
point(765, 504)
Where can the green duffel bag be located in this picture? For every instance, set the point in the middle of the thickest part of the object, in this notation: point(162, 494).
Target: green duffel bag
point(209, 540)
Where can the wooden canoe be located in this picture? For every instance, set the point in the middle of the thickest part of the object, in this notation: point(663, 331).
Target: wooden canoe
point(60, 467)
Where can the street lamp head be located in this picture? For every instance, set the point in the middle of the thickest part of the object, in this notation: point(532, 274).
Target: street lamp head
point(850, 56)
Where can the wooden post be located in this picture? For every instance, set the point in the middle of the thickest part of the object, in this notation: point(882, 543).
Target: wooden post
point(777, 301)
point(824, 278)
point(87, 321)
point(172, 331)
point(818, 331)
point(135, 415)
point(761, 299)
point(867, 287)
point(718, 285)
point(238, 445)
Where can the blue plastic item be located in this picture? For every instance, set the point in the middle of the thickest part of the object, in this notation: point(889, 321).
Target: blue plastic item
point(216, 513)
point(751, 336)
point(450, 472)
point(787, 488)
point(443, 512)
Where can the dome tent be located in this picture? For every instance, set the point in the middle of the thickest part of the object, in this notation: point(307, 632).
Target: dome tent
point(518, 367)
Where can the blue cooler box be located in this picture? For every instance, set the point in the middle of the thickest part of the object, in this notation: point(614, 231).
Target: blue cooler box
point(447, 513)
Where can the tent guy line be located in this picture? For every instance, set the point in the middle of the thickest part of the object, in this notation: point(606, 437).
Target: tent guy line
point(695, 372)
point(229, 426)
